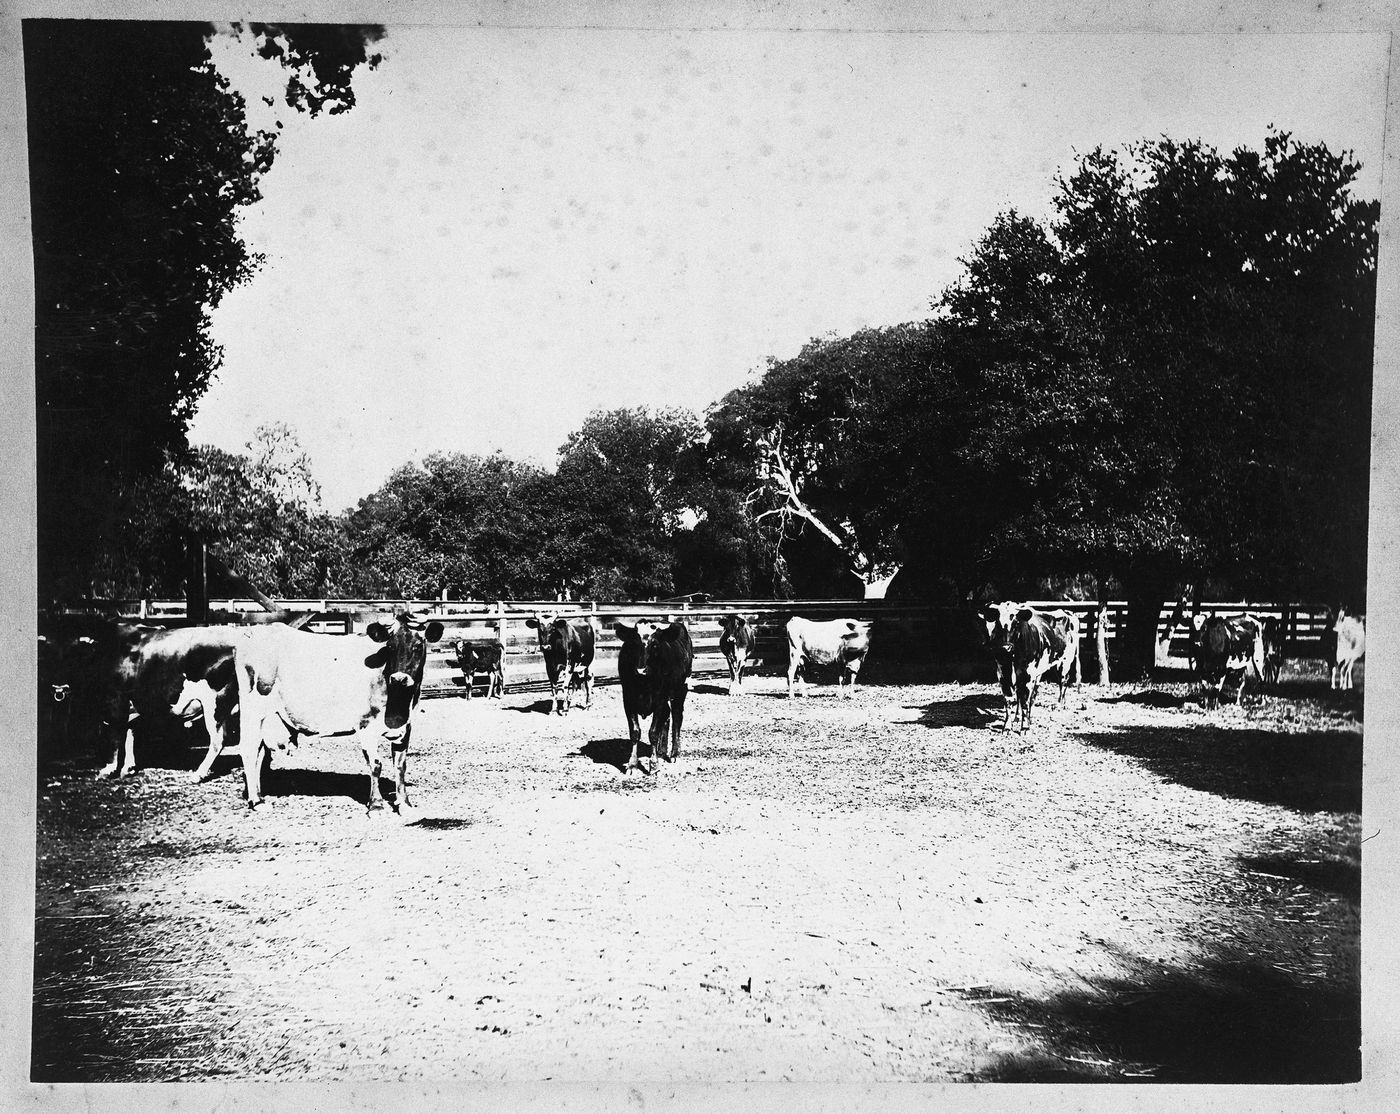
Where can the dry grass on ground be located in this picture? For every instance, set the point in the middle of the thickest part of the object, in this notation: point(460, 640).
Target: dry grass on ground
point(883, 888)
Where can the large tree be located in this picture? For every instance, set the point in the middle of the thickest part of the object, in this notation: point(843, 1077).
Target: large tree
point(469, 525)
point(816, 436)
point(1172, 381)
point(140, 158)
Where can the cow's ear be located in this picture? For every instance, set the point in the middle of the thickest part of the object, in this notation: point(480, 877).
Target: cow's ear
point(1024, 614)
point(623, 624)
point(378, 632)
point(532, 623)
point(433, 631)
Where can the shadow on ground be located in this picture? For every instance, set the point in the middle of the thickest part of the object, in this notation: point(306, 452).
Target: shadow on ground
point(611, 752)
point(1221, 1022)
point(1310, 772)
point(1333, 876)
point(323, 783)
point(978, 710)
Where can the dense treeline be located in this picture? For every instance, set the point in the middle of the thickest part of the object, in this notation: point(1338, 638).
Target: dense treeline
point(1167, 382)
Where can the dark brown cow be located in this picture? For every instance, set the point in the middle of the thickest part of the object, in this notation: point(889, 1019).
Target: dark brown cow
point(1273, 650)
point(654, 669)
point(474, 658)
point(736, 643)
point(365, 685)
point(568, 658)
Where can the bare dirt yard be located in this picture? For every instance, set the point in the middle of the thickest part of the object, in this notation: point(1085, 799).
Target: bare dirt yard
point(886, 888)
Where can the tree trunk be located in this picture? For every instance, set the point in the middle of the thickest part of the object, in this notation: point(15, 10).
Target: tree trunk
point(1137, 644)
point(1178, 618)
point(1101, 632)
point(877, 584)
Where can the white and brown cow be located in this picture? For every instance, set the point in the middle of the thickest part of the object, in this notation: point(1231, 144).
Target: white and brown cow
point(999, 619)
point(568, 649)
point(842, 643)
point(653, 667)
point(1350, 632)
point(366, 686)
point(736, 643)
point(1227, 648)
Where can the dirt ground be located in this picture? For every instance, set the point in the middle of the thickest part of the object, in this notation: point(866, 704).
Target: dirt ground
point(886, 888)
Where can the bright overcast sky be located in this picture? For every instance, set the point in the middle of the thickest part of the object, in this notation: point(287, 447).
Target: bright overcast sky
point(515, 227)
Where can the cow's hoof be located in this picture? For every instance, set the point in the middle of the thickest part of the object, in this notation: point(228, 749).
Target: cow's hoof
point(261, 804)
point(128, 771)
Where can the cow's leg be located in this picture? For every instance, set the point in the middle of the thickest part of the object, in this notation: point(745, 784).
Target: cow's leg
point(588, 688)
point(369, 747)
point(251, 748)
point(660, 726)
point(794, 668)
point(216, 742)
point(400, 752)
point(634, 733)
point(677, 715)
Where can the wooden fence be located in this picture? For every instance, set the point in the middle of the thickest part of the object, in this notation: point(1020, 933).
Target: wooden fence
point(951, 637)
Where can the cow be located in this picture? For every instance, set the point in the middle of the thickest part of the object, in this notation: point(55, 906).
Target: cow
point(568, 658)
point(839, 642)
point(1225, 647)
point(736, 643)
point(653, 667)
point(64, 665)
point(482, 657)
point(999, 619)
point(365, 685)
point(1042, 641)
point(125, 674)
point(1273, 650)
point(1350, 632)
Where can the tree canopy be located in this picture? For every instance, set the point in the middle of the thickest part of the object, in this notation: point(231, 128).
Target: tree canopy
point(140, 158)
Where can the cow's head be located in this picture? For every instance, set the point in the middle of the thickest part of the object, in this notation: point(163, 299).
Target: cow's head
point(635, 637)
point(404, 653)
point(999, 618)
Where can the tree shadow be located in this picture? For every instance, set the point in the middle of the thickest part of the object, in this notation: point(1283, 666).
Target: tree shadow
point(1221, 1021)
point(1309, 772)
point(1334, 876)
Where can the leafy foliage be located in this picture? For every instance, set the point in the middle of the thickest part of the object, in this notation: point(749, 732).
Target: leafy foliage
point(140, 158)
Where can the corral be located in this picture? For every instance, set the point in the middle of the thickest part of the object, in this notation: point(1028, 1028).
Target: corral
point(885, 888)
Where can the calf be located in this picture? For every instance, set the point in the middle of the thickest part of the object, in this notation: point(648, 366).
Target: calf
point(1040, 642)
point(474, 658)
point(1224, 648)
point(654, 669)
point(1273, 650)
point(1350, 631)
point(839, 642)
point(736, 644)
point(322, 684)
point(568, 658)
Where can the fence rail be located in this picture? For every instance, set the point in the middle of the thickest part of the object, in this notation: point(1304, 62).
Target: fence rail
point(916, 631)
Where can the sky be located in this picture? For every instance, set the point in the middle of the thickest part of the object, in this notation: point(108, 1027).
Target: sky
point(513, 228)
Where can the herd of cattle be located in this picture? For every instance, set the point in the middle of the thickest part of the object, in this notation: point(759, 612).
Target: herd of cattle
point(278, 683)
